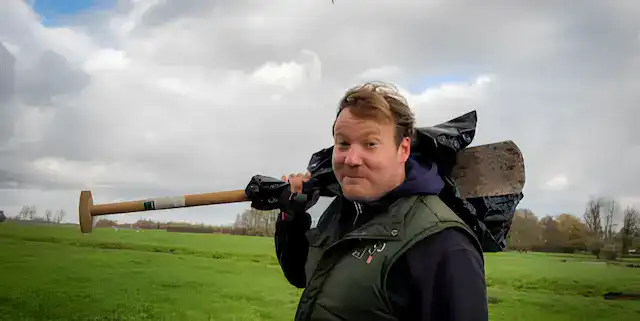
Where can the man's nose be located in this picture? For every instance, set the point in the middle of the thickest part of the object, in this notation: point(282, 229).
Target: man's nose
point(353, 157)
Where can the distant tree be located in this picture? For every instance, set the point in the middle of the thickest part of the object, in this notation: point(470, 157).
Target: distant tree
point(2, 216)
point(24, 213)
point(255, 222)
point(48, 215)
point(32, 212)
point(593, 220)
point(611, 213)
point(573, 231)
point(525, 231)
point(28, 212)
point(593, 217)
point(630, 228)
point(60, 216)
point(106, 223)
point(551, 236)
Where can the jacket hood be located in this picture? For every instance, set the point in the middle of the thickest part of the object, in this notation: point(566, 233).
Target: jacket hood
point(421, 179)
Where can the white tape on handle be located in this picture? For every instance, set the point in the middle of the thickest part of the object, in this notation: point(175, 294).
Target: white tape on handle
point(167, 202)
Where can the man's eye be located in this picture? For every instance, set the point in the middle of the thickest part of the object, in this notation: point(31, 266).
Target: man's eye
point(371, 145)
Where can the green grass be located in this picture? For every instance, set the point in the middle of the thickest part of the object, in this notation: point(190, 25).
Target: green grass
point(56, 273)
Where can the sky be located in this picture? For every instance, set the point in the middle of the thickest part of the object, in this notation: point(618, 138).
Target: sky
point(134, 99)
point(56, 12)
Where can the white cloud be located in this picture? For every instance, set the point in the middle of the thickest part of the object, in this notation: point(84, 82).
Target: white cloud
point(454, 91)
point(31, 124)
point(380, 73)
point(448, 100)
point(107, 59)
point(288, 74)
point(13, 49)
point(557, 182)
point(92, 174)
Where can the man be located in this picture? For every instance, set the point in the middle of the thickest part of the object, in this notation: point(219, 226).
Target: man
point(387, 248)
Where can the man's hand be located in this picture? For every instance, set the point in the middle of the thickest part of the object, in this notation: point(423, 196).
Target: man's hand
point(296, 181)
point(293, 201)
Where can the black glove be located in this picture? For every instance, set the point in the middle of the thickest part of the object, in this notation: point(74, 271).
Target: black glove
point(294, 204)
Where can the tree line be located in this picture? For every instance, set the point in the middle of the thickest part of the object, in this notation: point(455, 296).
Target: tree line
point(30, 213)
point(250, 222)
point(596, 232)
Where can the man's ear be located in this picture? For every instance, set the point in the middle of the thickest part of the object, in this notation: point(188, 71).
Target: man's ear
point(404, 150)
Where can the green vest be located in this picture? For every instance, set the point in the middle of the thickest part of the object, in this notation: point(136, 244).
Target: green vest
point(346, 277)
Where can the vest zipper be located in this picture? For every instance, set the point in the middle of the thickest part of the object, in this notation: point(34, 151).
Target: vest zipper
point(358, 211)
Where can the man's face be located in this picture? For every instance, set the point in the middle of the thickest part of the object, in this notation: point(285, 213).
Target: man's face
point(366, 159)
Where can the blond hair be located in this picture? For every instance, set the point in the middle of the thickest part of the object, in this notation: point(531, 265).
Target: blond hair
point(381, 102)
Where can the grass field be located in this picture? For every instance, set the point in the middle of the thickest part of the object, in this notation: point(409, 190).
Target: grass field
point(56, 273)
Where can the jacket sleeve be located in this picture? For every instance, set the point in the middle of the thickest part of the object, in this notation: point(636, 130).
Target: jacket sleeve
point(292, 246)
point(447, 274)
point(464, 288)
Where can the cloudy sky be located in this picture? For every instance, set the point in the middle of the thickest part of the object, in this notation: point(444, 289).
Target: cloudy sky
point(146, 98)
